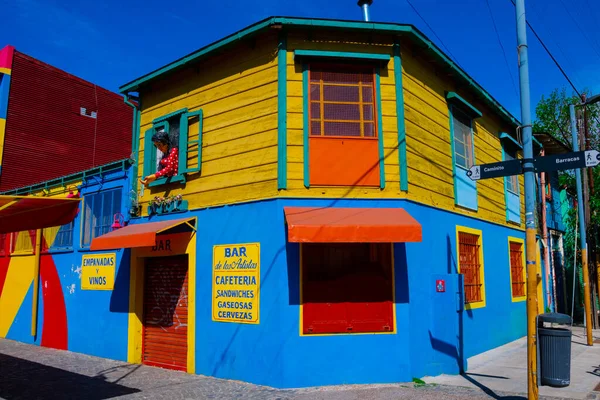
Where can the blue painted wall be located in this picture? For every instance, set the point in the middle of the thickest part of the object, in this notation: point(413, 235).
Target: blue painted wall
point(274, 353)
point(96, 320)
point(434, 333)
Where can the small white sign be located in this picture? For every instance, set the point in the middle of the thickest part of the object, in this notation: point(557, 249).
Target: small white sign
point(474, 173)
point(592, 158)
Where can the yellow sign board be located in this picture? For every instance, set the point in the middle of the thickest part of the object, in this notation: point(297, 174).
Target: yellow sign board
point(98, 271)
point(236, 283)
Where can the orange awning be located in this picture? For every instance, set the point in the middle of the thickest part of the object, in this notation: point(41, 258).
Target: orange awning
point(141, 235)
point(22, 213)
point(351, 225)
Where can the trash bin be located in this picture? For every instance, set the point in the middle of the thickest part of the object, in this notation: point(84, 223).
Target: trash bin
point(554, 345)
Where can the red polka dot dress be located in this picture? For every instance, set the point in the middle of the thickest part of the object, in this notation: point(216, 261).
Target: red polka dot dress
point(169, 164)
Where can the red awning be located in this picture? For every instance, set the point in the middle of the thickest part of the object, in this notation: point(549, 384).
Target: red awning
point(141, 235)
point(22, 213)
point(351, 225)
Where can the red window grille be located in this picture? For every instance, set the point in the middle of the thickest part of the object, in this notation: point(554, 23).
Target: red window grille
point(516, 269)
point(342, 101)
point(470, 266)
point(347, 288)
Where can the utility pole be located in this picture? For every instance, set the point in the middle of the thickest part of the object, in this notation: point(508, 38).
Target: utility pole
point(582, 232)
point(588, 193)
point(532, 387)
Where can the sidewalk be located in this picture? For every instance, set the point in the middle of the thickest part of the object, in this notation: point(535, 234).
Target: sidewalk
point(32, 372)
point(505, 369)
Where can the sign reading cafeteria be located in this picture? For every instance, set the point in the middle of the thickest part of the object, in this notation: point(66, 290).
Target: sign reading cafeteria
point(98, 271)
point(236, 282)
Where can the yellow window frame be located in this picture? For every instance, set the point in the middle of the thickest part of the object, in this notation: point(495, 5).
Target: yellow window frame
point(524, 272)
point(25, 238)
point(479, 234)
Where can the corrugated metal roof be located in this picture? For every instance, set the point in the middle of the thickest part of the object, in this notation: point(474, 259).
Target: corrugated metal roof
point(551, 144)
point(47, 136)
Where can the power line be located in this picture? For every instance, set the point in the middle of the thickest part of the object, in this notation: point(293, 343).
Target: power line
point(593, 15)
point(550, 54)
point(435, 34)
point(566, 59)
point(580, 30)
point(590, 7)
point(502, 47)
point(554, 59)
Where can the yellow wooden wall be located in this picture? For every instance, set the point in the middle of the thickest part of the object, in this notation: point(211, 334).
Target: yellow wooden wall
point(427, 129)
point(237, 91)
point(343, 43)
point(428, 140)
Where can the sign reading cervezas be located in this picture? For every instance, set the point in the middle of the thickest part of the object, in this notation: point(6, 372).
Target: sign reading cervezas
point(236, 283)
point(98, 271)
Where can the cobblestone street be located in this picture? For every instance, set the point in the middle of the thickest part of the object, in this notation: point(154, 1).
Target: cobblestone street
point(31, 372)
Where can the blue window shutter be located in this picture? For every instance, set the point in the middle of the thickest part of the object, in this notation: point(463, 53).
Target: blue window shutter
point(185, 143)
point(148, 158)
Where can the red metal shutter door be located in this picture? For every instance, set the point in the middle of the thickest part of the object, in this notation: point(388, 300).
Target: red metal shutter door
point(166, 313)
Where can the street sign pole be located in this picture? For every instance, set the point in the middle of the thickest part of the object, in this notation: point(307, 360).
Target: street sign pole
point(532, 387)
point(582, 227)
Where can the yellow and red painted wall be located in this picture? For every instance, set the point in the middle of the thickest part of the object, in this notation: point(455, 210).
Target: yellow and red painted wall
point(69, 318)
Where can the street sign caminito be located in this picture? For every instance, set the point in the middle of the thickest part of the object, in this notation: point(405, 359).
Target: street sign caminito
point(561, 162)
point(495, 170)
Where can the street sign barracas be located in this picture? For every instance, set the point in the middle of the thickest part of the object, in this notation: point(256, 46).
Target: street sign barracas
point(495, 170)
point(575, 160)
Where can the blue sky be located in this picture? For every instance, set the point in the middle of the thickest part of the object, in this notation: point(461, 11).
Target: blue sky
point(112, 42)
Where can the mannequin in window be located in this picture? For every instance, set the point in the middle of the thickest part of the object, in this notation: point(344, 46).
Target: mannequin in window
point(169, 161)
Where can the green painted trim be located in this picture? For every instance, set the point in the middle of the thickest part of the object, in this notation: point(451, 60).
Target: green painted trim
point(475, 161)
point(380, 129)
point(342, 54)
point(505, 187)
point(120, 165)
point(469, 109)
point(282, 112)
point(135, 141)
point(184, 142)
point(163, 124)
point(168, 180)
point(170, 115)
point(402, 153)
point(306, 23)
point(149, 154)
point(506, 136)
point(455, 187)
point(306, 128)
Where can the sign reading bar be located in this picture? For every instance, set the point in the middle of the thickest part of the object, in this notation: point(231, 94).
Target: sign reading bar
point(98, 271)
point(236, 283)
point(575, 160)
point(495, 170)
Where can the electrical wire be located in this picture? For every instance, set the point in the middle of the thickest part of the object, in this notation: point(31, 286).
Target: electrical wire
point(579, 27)
point(555, 61)
point(567, 60)
point(501, 47)
point(435, 34)
point(550, 54)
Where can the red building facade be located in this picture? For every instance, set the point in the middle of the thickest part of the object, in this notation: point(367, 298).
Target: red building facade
point(55, 124)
